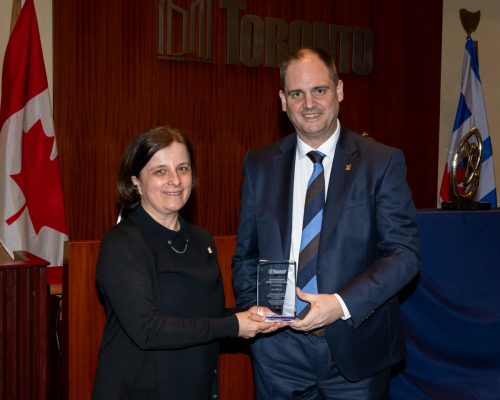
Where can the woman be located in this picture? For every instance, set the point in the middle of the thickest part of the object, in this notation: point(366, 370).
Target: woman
point(161, 284)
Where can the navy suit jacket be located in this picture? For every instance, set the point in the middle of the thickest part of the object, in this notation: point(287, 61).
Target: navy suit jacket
point(369, 244)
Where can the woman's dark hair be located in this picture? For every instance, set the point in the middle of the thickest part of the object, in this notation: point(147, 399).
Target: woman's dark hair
point(138, 154)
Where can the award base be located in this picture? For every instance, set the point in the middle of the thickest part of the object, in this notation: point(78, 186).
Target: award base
point(279, 318)
point(461, 205)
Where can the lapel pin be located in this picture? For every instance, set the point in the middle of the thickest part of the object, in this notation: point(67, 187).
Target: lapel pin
point(348, 167)
point(209, 250)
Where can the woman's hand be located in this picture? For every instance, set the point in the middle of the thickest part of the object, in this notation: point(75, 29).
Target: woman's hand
point(252, 322)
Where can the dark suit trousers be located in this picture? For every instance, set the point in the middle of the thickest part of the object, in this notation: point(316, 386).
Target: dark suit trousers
point(290, 365)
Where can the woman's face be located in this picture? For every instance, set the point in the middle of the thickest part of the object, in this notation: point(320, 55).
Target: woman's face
point(165, 182)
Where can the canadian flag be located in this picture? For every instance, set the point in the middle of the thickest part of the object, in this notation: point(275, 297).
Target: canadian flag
point(31, 201)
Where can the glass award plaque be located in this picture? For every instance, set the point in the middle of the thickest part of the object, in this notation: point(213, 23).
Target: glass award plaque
point(274, 279)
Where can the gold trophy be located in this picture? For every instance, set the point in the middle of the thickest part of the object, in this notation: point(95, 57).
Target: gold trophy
point(467, 156)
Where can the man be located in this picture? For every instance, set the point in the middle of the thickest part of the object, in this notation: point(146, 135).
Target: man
point(366, 250)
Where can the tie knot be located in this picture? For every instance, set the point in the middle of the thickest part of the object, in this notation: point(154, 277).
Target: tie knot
point(316, 156)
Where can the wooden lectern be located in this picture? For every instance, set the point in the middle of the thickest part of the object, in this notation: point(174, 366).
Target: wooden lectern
point(23, 327)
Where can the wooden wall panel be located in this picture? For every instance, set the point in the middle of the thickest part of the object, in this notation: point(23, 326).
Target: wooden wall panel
point(110, 85)
point(235, 365)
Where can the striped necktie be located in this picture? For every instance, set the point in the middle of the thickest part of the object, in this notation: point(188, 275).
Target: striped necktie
point(311, 229)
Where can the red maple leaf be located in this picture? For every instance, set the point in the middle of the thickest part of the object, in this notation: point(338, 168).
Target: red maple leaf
point(40, 182)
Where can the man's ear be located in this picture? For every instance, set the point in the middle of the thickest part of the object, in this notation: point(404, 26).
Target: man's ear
point(283, 100)
point(340, 90)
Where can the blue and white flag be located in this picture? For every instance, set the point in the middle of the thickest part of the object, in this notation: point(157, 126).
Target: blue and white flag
point(471, 113)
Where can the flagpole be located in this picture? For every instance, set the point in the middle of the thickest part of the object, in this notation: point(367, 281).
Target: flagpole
point(16, 9)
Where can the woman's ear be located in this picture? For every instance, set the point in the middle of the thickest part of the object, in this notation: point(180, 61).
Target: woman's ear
point(137, 184)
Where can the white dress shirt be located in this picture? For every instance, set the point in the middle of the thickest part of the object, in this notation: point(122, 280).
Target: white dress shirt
point(302, 172)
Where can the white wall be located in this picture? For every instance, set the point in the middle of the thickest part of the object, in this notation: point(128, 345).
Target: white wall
point(487, 35)
point(44, 15)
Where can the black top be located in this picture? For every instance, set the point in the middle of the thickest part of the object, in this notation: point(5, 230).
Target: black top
point(165, 311)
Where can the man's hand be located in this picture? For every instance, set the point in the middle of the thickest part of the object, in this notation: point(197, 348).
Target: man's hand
point(325, 309)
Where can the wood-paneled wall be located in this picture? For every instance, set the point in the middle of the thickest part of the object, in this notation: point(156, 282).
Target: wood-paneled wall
point(109, 85)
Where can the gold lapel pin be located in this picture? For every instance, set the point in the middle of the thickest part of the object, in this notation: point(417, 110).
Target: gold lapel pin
point(348, 167)
point(209, 250)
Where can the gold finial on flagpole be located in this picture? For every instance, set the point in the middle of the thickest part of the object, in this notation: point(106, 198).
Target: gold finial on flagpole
point(470, 21)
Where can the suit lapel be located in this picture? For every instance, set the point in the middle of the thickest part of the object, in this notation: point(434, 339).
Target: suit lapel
point(284, 163)
point(344, 169)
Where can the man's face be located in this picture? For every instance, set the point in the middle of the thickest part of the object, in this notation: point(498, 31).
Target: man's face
point(311, 99)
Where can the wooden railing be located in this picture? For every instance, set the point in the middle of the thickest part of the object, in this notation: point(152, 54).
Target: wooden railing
point(83, 321)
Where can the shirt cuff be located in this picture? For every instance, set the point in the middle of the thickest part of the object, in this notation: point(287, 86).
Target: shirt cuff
point(347, 314)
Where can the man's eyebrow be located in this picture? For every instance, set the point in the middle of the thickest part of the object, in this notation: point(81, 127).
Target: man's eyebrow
point(326, 87)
